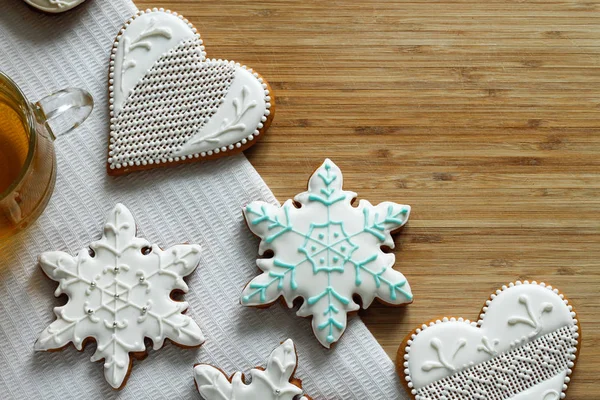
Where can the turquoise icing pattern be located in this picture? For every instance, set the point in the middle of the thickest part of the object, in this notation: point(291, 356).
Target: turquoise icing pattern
point(325, 252)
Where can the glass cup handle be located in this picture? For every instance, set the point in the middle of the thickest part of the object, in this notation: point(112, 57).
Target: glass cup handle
point(65, 110)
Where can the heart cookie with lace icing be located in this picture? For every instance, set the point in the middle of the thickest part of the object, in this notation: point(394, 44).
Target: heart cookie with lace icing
point(523, 347)
point(169, 104)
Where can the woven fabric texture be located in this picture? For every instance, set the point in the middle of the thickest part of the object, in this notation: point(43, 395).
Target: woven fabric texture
point(197, 203)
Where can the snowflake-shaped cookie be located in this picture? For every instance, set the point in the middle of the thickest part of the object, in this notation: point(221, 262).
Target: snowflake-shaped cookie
point(119, 293)
point(326, 251)
point(275, 382)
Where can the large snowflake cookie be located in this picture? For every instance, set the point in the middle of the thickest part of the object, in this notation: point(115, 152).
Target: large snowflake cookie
point(523, 347)
point(119, 293)
point(325, 251)
point(169, 104)
point(275, 382)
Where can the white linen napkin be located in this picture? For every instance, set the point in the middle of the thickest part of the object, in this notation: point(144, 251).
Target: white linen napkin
point(198, 203)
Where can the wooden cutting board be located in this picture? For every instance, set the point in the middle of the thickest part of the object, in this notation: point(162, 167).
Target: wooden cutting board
point(484, 116)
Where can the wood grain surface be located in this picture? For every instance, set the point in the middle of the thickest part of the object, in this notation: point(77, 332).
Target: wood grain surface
point(483, 115)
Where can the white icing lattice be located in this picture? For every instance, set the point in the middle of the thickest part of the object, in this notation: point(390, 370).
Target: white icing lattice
point(119, 293)
point(509, 373)
point(168, 106)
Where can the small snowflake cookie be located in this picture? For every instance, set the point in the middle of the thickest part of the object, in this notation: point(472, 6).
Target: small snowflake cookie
point(523, 347)
point(275, 382)
point(119, 293)
point(168, 104)
point(325, 251)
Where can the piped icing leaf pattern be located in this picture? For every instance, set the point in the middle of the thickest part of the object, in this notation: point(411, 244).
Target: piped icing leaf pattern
point(271, 383)
point(325, 252)
point(141, 41)
point(523, 346)
point(119, 293)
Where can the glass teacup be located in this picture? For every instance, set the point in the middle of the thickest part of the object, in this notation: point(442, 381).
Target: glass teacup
point(27, 159)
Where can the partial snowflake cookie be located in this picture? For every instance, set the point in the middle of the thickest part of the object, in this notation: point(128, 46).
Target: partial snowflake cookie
point(325, 251)
point(168, 104)
point(54, 6)
point(275, 382)
point(523, 347)
point(119, 293)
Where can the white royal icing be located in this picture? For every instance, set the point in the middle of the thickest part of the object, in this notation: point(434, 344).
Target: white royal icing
point(168, 103)
point(54, 6)
point(326, 251)
point(119, 294)
point(526, 336)
point(272, 383)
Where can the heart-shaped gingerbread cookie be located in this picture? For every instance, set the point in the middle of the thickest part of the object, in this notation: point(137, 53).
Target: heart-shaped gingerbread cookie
point(169, 104)
point(523, 347)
